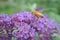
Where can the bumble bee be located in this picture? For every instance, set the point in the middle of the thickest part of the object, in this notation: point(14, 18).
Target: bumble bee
point(37, 14)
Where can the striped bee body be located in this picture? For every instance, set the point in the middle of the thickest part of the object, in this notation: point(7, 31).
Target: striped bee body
point(37, 14)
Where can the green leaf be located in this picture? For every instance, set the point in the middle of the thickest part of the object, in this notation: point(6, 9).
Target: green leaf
point(14, 38)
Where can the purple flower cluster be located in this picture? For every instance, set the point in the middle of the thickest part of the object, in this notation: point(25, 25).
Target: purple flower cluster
point(5, 25)
point(22, 27)
point(25, 26)
point(45, 28)
point(23, 30)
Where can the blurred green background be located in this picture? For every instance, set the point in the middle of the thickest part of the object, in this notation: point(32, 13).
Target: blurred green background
point(50, 7)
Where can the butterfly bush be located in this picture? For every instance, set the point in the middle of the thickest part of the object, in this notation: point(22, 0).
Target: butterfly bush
point(5, 25)
point(26, 26)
